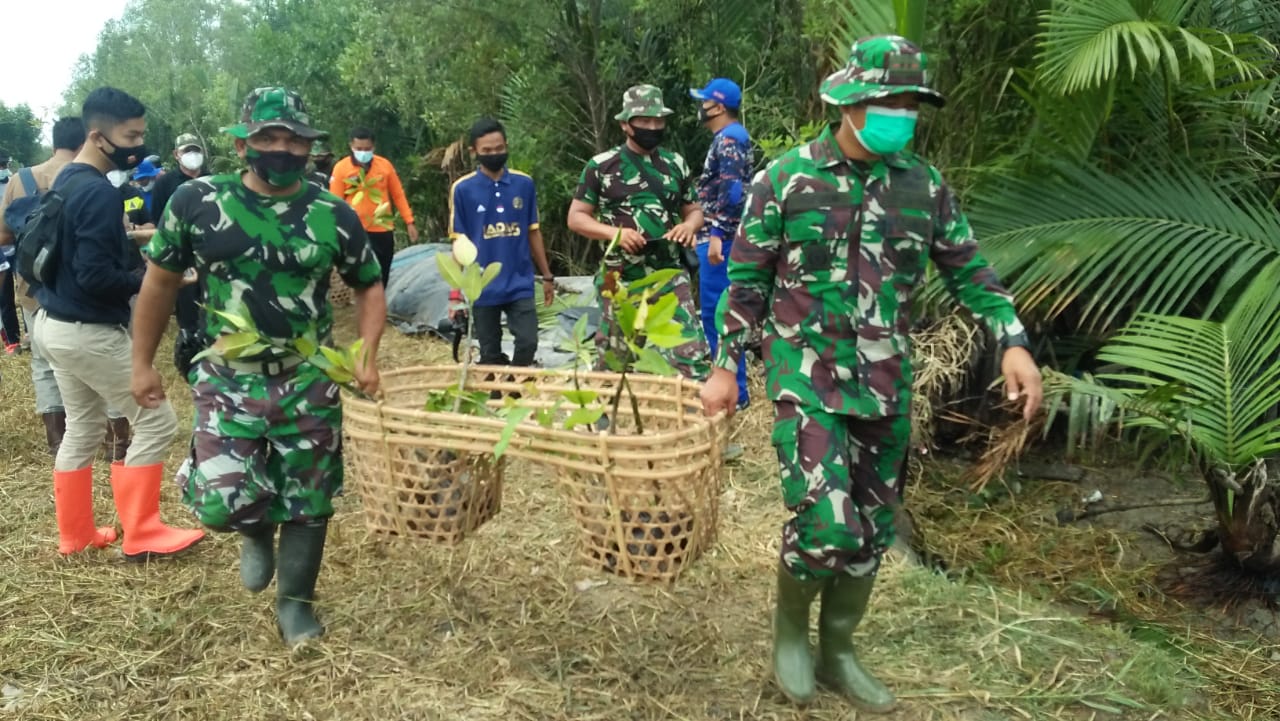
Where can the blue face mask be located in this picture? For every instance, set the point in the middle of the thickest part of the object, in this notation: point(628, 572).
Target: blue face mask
point(362, 156)
point(886, 130)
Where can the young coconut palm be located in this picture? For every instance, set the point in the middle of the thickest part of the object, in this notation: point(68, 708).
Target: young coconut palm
point(1215, 385)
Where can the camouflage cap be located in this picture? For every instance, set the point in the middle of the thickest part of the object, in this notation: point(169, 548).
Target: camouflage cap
point(187, 140)
point(274, 108)
point(642, 101)
point(321, 147)
point(880, 66)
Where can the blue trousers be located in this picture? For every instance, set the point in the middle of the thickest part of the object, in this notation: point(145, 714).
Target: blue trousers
point(712, 282)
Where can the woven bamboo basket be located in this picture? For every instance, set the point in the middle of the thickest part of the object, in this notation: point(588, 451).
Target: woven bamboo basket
point(340, 294)
point(646, 504)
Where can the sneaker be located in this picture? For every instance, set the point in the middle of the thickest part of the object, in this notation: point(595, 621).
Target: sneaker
point(12, 348)
point(744, 404)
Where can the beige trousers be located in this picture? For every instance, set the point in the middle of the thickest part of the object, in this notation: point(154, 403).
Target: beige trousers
point(93, 365)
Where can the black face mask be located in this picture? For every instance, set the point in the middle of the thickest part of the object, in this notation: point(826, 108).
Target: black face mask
point(125, 158)
point(325, 164)
point(704, 115)
point(493, 162)
point(647, 138)
point(279, 168)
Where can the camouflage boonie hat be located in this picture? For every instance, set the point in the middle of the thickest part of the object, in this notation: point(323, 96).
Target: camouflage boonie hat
point(642, 101)
point(187, 140)
point(321, 147)
point(274, 108)
point(881, 66)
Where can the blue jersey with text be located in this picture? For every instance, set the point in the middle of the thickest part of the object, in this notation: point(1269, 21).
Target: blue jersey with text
point(497, 215)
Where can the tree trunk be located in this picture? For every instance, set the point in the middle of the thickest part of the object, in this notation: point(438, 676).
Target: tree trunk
point(1248, 510)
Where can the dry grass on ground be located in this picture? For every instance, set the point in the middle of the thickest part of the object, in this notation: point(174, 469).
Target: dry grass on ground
point(507, 625)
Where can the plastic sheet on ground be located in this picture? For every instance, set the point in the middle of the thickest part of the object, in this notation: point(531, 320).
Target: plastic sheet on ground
point(418, 301)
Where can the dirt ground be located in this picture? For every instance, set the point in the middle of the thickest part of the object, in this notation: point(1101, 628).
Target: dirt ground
point(509, 624)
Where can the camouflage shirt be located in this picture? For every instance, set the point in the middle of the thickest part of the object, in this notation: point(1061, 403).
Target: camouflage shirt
point(613, 183)
point(726, 171)
point(271, 255)
point(827, 257)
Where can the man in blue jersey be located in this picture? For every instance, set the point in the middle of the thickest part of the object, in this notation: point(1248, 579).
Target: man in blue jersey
point(497, 208)
point(721, 192)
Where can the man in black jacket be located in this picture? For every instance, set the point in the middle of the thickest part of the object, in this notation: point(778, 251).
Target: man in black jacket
point(191, 164)
point(82, 330)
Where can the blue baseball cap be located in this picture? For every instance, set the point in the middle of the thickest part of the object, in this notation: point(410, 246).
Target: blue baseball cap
point(146, 169)
point(720, 90)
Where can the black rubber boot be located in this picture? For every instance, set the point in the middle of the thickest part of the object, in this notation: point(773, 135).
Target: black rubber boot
point(792, 659)
point(844, 602)
point(301, 549)
point(258, 557)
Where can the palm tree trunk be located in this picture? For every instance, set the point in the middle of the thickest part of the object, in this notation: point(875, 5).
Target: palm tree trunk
point(1248, 510)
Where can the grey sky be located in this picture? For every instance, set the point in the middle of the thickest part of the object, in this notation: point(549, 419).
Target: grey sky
point(43, 41)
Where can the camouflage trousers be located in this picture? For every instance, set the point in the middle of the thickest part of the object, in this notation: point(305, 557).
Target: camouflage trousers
point(692, 359)
point(842, 479)
point(265, 449)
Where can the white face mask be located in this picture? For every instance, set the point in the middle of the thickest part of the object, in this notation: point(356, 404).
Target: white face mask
point(362, 156)
point(5, 173)
point(192, 160)
point(117, 177)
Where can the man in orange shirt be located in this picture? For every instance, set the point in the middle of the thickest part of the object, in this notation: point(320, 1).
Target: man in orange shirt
point(366, 181)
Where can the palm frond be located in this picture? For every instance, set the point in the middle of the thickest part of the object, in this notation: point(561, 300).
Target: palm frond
point(859, 19)
point(1090, 43)
point(1214, 383)
point(1105, 245)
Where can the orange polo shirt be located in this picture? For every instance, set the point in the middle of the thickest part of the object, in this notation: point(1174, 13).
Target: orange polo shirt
point(385, 181)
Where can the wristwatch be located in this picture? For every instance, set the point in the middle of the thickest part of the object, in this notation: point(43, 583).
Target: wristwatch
point(1016, 340)
point(548, 279)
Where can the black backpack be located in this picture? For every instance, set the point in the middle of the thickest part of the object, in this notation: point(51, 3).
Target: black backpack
point(39, 241)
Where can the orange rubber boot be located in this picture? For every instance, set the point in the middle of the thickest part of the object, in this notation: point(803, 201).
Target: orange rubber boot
point(137, 495)
point(73, 505)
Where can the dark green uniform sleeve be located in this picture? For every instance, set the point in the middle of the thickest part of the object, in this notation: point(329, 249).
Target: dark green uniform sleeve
point(170, 246)
point(753, 265)
point(357, 264)
point(967, 275)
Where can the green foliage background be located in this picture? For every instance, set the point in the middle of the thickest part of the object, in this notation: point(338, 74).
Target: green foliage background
point(1120, 88)
point(20, 134)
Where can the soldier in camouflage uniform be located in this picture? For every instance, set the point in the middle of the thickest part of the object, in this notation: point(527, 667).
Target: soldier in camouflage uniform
point(647, 192)
point(834, 240)
point(266, 450)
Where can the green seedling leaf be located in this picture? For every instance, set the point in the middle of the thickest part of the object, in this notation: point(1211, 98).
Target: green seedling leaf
point(449, 270)
point(339, 375)
point(491, 271)
point(238, 321)
point(439, 400)
point(471, 282)
point(337, 358)
point(545, 417)
point(651, 361)
point(667, 338)
point(306, 347)
point(233, 345)
point(580, 330)
point(661, 313)
point(583, 417)
point(625, 315)
point(515, 416)
point(656, 279)
point(613, 362)
point(580, 398)
point(355, 352)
